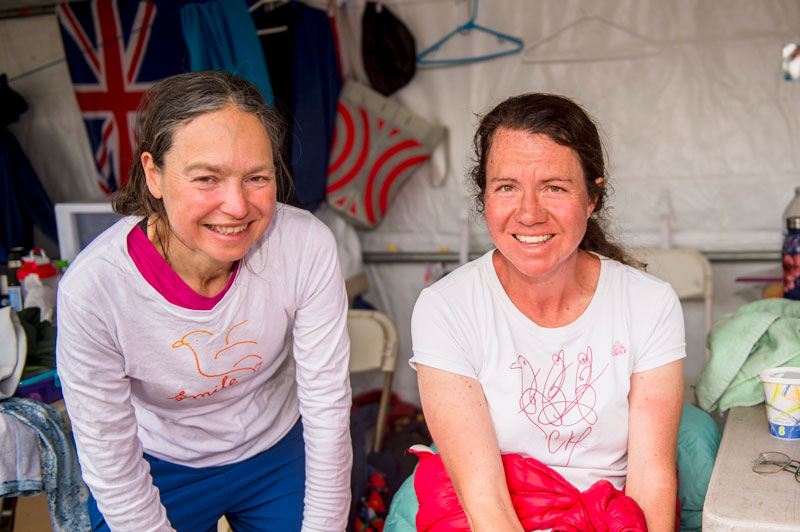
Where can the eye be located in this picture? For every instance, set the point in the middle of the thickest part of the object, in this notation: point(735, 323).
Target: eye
point(259, 179)
point(505, 188)
point(203, 179)
point(554, 188)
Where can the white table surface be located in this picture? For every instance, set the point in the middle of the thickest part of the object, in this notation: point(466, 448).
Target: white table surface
point(740, 500)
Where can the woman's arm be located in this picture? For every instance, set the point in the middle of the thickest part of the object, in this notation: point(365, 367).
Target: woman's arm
point(655, 402)
point(97, 396)
point(322, 352)
point(458, 418)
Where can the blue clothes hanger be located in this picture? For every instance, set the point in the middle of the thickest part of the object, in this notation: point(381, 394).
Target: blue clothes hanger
point(469, 25)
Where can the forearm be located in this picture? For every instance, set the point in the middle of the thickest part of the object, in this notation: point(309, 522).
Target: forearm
point(655, 411)
point(457, 415)
point(328, 464)
point(491, 513)
point(325, 401)
point(481, 487)
point(657, 497)
point(112, 464)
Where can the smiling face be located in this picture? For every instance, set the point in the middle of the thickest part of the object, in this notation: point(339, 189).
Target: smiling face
point(536, 205)
point(218, 188)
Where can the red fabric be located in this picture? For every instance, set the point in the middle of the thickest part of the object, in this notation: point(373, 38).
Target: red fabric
point(542, 498)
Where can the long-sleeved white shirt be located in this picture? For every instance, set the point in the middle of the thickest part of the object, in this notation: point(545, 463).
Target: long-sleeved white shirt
point(208, 387)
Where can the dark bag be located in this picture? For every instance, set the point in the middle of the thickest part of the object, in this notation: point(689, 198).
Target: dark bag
point(388, 49)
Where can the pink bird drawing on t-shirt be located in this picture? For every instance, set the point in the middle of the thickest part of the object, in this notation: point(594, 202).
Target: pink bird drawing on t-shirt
point(564, 412)
point(528, 403)
point(215, 359)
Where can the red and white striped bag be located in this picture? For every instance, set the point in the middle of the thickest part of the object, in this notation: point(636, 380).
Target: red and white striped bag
point(377, 144)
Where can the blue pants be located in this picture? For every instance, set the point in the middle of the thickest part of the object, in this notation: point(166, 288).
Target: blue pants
point(261, 494)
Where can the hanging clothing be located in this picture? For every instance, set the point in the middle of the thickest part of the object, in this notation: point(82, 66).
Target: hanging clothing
point(23, 201)
point(222, 36)
point(307, 84)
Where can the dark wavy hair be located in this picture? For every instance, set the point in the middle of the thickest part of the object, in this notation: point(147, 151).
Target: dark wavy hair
point(175, 101)
point(567, 124)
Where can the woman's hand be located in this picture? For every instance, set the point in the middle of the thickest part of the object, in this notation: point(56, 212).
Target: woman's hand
point(459, 421)
point(655, 403)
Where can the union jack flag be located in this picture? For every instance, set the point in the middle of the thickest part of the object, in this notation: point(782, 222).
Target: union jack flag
point(115, 50)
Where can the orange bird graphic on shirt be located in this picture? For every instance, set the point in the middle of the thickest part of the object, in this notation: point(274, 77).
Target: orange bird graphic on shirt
point(214, 359)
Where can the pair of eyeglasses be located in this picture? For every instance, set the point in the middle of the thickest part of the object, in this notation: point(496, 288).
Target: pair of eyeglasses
point(775, 462)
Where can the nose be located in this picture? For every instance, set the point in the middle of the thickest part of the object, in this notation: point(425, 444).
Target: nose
point(530, 210)
point(234, 202)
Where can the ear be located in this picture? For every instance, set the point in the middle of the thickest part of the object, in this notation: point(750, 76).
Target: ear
point(152, 174)
point(600, 182)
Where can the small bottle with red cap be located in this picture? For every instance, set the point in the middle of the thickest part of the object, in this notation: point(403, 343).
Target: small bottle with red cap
point(39, 279)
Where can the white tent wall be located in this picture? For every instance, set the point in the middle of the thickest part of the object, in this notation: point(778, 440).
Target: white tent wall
point(700, 127)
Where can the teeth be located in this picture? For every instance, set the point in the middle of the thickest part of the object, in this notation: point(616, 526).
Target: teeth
point(533, 239)
point(228, 230)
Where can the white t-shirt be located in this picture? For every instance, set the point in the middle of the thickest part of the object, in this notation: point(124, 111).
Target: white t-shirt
point(559, 395)
point(208, 387)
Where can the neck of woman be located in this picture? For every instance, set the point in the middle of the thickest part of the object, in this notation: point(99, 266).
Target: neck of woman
point(207, 278)
point(557, 299)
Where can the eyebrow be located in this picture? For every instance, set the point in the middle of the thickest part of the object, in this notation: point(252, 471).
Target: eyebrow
point(214, 169)
point(545, 181)
point(559, 180)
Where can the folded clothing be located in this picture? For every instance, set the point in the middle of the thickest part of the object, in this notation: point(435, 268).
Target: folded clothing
point(19, 462)
point(542, 498)
point(759, 335)
point(13, 349)
point(67, 495)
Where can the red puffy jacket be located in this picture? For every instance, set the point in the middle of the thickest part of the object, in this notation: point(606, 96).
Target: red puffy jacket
point(542, 498)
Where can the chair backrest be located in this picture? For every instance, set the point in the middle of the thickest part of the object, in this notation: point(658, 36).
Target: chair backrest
point(373, 346)
point(373, 341)
point(688, 272)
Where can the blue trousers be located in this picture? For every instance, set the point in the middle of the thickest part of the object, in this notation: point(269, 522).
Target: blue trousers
point(261, 494)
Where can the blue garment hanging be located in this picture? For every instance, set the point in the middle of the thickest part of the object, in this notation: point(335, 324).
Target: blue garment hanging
point(23, 200)
point(306, 86)
point(470, 25)
point(222, 36)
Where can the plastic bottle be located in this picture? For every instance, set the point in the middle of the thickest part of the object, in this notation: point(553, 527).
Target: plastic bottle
point(37, 263)
point(14, 289)
point(793, 209)
point(39, 279)
point(3, 286)
point(791, 259)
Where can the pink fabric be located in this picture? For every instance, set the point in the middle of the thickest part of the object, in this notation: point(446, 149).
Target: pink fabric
point(542, 498)
point(158, 273)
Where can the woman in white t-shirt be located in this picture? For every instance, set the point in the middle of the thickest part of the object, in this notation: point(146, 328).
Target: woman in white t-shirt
point(175, 327)
point(550, 346)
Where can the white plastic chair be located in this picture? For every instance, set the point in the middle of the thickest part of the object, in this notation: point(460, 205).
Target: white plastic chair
point(373, 347)
point(689, 273)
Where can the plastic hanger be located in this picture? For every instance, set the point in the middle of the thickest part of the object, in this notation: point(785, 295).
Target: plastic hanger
point(268, 31)
point(469, 25)
point(261, 3)
point(648, 46)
